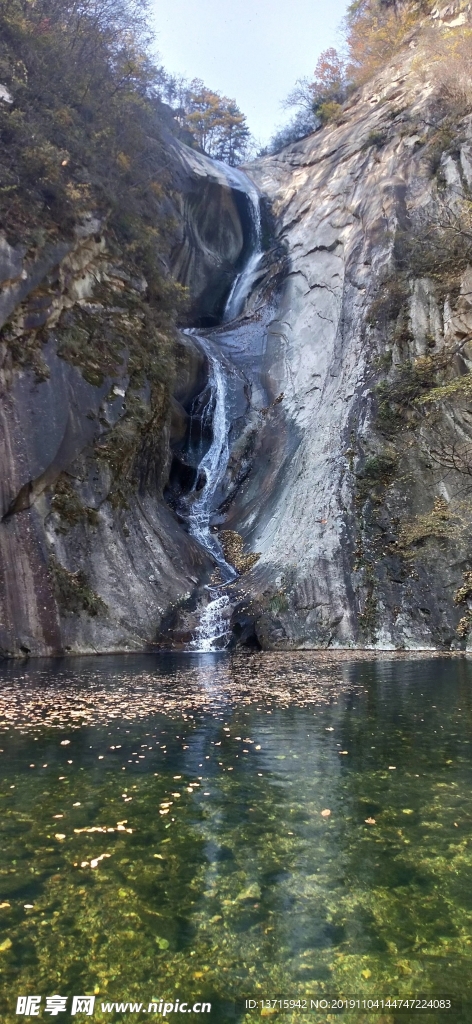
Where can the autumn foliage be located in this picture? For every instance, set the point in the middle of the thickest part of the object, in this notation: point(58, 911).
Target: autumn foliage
point(374, 31)
point(212, 122)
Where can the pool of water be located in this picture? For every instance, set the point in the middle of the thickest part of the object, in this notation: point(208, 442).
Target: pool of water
point(224, 828)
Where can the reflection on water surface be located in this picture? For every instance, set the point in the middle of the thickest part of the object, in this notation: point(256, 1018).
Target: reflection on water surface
point(220, 827)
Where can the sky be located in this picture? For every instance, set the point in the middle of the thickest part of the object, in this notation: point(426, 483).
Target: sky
point(251, 51)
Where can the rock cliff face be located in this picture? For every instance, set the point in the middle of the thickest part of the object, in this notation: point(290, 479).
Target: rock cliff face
point(85, 564)
point(363, 527)
point(345, 505)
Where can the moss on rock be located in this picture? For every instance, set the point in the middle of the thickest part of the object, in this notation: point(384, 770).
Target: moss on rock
point(73, 591)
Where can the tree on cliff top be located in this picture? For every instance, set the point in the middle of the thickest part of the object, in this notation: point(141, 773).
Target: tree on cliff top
point(373, 31)
point(314, 100)
point(215, 123)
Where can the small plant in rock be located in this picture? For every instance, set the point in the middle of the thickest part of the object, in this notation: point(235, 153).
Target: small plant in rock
point(460, 386)
point(329, 112)
point(409, 382)
point(68, 506)
point(465, 591)
point(377, 467)
point(443, 523)
point(278, 602)
point(377, 473)
point(376, 138)
point(73, 591)
point(443, 140)
point(462, 596)
point(388, 304)
point(438, 244)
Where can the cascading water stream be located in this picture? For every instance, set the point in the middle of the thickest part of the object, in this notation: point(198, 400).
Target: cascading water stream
point(213, 630)
point(212, 466)
point(245, 279)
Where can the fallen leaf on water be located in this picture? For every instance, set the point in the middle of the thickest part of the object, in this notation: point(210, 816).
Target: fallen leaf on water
point(7, 944)
point(3, 905)
point(407, 810)
point(326, 813)
point(96, 860)
point(366, 974)
point(60, 836)
point(369, 821)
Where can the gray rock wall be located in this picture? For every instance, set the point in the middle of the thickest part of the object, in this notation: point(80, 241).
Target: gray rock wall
point(331, 522)
point(83, 567)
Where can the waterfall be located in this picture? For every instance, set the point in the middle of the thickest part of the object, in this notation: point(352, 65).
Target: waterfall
point(244, 281)
point(212, 466)
point(213, 631)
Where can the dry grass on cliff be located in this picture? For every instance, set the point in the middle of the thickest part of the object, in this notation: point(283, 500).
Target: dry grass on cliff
point(374, 32)
point(447, 55)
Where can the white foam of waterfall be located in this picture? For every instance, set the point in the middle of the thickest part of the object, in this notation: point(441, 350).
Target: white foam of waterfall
point(213, 628)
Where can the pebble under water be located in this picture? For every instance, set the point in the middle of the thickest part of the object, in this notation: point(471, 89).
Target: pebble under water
point(232, 827)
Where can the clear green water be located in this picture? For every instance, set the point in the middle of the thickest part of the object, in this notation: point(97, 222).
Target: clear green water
point(242, 888)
